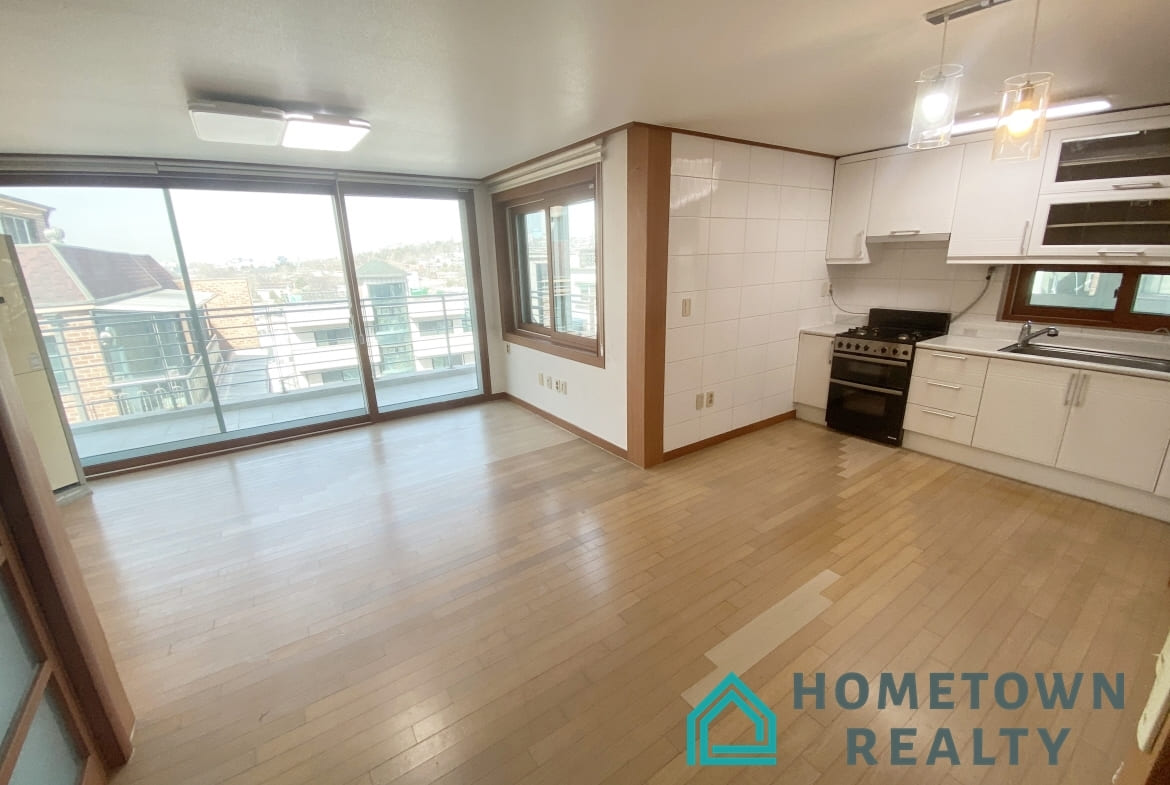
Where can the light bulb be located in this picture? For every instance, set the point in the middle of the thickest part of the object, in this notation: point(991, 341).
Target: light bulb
point(1020, 121)
point(934, 106)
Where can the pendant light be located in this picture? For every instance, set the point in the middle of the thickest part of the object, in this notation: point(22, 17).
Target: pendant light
point(934, 106)
point(1019, 134)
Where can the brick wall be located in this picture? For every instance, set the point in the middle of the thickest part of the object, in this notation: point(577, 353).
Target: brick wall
point(237, 326)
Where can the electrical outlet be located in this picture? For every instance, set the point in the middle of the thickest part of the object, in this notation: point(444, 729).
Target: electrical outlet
point(564, 388)
point(698, 400)
point(710, 399)
point(548, 382)
point(826, 288)
point(34, 361)
point(686, 306)
point(540, 379)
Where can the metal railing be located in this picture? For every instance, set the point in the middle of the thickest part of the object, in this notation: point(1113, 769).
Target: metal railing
point(110, 364)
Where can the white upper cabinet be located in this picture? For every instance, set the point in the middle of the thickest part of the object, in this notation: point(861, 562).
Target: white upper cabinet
point(995, 206)
point(849, 214)
point(1130, 155)
point(1118, 429)
point(914, 193)
point(1121, 226)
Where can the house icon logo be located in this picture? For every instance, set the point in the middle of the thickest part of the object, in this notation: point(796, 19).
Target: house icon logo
point(731, 691)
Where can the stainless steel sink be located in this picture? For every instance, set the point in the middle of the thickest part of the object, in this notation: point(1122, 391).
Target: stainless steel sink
point(1090, 356)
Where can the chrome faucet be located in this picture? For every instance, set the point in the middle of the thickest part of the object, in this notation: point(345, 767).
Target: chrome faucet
point(1027, 333)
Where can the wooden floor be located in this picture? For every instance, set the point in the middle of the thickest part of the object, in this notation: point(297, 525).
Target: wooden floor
point(478, 597)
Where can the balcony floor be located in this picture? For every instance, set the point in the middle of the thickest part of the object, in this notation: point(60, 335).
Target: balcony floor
point(248, 405)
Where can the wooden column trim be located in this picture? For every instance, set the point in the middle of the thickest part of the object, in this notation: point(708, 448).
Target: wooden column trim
point(648, 229)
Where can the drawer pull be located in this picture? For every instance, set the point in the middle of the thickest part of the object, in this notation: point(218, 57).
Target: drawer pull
point(1137, 186)
point(938, 414)
point(947, 386)
point(904, 232)
point(949, 356)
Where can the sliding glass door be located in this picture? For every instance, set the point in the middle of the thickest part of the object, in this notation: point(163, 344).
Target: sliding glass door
point(278, 313)
point(186, 314)
point(415, 294)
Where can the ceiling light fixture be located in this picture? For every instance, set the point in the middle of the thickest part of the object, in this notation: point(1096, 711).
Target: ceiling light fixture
point(1055, 111)
point(1023, 109)
point(237, 123)
point(934, 106)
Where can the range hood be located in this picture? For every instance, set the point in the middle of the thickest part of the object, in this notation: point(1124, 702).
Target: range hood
point(909, 237)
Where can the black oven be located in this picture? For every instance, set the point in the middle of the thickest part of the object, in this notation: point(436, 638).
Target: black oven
point(867, 396)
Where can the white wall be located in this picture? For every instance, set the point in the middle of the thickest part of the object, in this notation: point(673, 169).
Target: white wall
point(747, 238)
point(916, 276)
point(596, 399)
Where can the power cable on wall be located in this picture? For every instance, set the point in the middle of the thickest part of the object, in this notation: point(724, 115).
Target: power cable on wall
point(978, 297)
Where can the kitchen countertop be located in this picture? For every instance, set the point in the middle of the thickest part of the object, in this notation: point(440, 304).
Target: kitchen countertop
point(989, 346)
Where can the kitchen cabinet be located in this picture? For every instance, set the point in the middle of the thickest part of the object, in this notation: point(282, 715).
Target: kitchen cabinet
point(914, 193)
point(1118, 429)
point(1116, 227)
point(1163, 486)
point(995, 206)
point(1023, 410)
point(849, 213)
point(814, 357)
point(1116, 156)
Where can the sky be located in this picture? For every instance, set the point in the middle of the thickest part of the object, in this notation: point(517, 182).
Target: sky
point(217, 227)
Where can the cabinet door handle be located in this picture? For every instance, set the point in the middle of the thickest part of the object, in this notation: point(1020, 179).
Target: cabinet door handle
point(1068, 388)
point(938, 414)
point(860, 245)
point(1084, 385)
point(1138, 186)
point(900, 232)
point(947, 386)
point(949, 356)
point(1024, 239)
point(1134, 252)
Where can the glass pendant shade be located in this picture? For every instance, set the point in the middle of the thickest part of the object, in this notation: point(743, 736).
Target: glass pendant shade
point(1019, 134)
point(934, 107)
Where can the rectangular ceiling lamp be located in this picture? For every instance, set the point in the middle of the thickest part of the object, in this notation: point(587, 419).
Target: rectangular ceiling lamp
point(323, 132)
point(224, 121)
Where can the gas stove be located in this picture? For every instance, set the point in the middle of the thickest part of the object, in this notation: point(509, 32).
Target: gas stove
point(892, 333)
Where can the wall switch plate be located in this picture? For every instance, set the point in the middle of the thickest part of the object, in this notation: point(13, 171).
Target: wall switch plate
point(686, 306)
point(698, 400)
point(826, 288)
point(540, 379)
point(34, 361)
point(710, 399)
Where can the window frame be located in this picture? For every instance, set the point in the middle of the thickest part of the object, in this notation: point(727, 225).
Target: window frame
point(524, 198)
point(1016, 308)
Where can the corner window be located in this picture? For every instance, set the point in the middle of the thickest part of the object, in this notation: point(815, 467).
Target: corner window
point(1134, 298)
point(547, 246)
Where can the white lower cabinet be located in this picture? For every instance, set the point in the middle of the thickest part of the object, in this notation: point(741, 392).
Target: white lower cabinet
point(1118, 428)
point(939, 423)
point(1163, 487)
point(814, 357)
point(1023, 410)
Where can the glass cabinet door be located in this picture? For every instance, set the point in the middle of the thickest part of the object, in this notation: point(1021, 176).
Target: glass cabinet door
point(18, 661)
point(1144, 153)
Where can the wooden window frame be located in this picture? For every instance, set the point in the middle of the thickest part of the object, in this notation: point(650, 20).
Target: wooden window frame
point(1016, 308)
point(506, 205)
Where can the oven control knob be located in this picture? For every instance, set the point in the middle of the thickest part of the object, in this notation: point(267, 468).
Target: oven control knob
point(867, 347)
point(840, 344)
point(883, 350)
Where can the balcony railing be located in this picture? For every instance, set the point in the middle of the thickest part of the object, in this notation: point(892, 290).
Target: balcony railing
point(111, 364)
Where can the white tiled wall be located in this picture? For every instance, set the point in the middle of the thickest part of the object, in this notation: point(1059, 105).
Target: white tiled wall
point(747, 240)
point(916, 276)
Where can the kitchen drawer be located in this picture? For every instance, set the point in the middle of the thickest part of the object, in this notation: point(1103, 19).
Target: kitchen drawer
point(945, 366)
point(940, 424)
point(948, 396)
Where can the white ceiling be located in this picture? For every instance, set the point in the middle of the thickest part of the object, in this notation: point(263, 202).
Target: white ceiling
point(467, 87)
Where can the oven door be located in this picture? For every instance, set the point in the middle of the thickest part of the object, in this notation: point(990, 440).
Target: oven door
point(864, 410)
point(871, 371)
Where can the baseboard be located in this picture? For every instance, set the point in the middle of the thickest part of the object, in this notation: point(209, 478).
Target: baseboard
point(1049, 477)
point(609, 447)
point(687, 449)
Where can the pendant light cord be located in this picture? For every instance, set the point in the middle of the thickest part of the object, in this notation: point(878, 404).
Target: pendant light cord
point(942, 55)
point(1032, 47)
